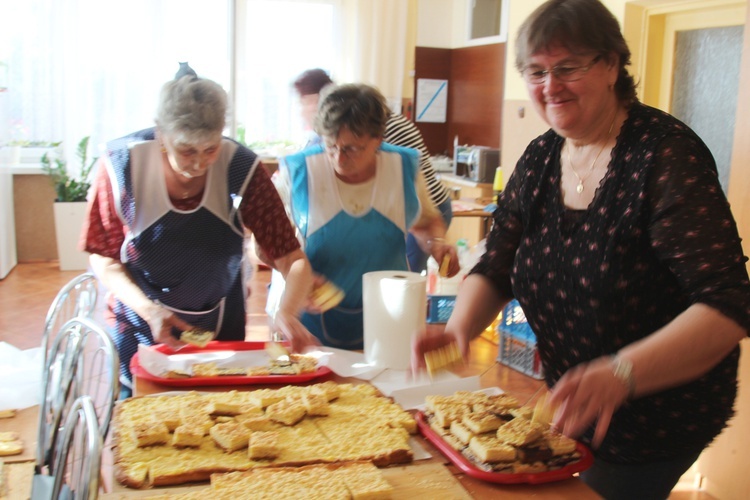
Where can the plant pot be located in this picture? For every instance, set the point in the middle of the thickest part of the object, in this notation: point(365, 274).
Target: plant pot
point(69, 217)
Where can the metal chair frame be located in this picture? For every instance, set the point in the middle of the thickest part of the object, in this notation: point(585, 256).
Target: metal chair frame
point(77, 459)
point(77, 298)
point(82, 361)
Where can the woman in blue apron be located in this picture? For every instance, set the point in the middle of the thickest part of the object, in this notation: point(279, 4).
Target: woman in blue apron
point(167, 223)
point(354, 201)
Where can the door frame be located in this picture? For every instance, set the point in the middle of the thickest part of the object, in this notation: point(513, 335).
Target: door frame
point(650, 27)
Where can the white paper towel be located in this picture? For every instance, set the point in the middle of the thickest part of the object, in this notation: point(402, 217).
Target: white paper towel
point(394, 309)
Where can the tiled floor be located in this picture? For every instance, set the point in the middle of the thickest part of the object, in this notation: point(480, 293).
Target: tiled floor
point(29, 289)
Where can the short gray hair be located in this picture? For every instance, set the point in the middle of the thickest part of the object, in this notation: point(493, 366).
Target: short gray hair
point(191, 109)
point(359, 107)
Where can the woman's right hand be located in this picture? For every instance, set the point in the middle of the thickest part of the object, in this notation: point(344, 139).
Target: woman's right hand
point(317, 281)
point(292, 329)
point(431, 338)
point(161, 321)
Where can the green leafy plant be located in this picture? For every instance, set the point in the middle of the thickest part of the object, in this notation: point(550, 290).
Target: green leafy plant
point(69, 187)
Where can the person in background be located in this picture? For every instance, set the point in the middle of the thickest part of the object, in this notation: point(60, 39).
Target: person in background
point(399, 131)
point(165, 227)
point(616, 238)
point(354, 198)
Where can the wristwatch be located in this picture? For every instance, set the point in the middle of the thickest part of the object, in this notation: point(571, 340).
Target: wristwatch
point(622, 369)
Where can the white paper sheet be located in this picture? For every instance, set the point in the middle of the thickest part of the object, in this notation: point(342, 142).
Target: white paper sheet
point(20, 377)
point(407, 391)
point(157, 363)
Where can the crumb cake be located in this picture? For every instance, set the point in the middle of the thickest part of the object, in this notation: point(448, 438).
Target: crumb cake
point(496, 434)
point(360, 425)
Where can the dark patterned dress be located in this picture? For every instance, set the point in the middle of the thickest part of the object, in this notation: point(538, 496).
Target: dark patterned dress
point(658, 237)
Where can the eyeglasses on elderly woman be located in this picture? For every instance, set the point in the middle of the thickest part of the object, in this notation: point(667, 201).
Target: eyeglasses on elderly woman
point(564, 72)
point(348, 151)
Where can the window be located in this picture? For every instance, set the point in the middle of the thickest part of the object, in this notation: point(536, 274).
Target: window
point(281, 39)
point(487, 21)
point(87, 67)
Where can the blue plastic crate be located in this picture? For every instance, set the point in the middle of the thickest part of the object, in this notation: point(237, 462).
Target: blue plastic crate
point(439, 308)
point(517, 342)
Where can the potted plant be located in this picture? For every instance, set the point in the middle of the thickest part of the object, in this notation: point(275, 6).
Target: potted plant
point(71, 189)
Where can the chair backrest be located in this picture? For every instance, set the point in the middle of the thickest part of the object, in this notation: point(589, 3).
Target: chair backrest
point(81, 361)
point(77, 459)
point(76, 299)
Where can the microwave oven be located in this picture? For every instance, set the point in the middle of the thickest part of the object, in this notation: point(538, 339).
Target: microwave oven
point(477, 163)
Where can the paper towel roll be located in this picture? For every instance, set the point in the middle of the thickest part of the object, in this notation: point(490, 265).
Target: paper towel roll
point(394, 309)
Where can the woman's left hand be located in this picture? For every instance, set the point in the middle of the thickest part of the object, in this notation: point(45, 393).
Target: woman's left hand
point(293, 330)
point(586, 393)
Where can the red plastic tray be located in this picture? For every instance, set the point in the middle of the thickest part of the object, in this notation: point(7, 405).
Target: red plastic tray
point(216, 345)
point(463, 463)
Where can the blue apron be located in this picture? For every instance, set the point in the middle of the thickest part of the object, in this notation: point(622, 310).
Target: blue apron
point(344, 246)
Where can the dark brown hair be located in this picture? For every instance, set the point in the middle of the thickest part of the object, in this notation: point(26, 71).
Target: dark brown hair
point(359, 107)
point(311, 81)
point(579, 26)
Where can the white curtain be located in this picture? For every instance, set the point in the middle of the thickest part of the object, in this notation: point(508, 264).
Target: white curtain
point(95, 67)
point(375, 34)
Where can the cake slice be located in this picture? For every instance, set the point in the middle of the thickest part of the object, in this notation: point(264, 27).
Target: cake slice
point(262, 398)
point(479, 423)
point(197, 337)
point(330, 390)
point(256, 422)
point(286, 412)
point(171, 419)
point(442, 358)
point(445, 414)
point(221, 408)
point(490, 449)
point(205, 369)
point(461, 432)
point(559, 443)
point(150, 433)
point(8, 448)
point(188, 436)
point(304, 364)
point(364, 481)
point(327, 296)
point(520, 432)
point(316, 405)
point(263, 445)
point(230, 436)
point(9, 436)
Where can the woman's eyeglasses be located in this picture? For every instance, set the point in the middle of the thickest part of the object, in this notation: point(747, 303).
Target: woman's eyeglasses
point(563, 73)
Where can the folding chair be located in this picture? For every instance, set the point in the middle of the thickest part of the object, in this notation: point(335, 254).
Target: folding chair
point(77, 459)
point(81, 361)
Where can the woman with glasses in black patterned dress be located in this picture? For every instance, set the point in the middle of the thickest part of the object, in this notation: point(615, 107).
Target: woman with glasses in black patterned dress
point(616, 238)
